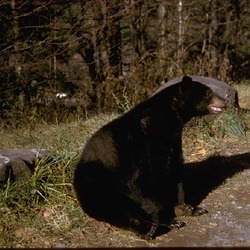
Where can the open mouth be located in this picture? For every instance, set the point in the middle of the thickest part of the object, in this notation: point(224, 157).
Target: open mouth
point(215, 109)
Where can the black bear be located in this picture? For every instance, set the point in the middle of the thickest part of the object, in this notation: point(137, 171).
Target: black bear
point(130, 171)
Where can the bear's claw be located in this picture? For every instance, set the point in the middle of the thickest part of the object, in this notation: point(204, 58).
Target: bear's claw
point(188, 210)
point(176, 224)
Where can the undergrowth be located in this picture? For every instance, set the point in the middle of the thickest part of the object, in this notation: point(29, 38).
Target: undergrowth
point(230, 123)
point(46, 200)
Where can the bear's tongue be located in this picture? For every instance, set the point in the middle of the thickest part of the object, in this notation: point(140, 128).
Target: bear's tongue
point(216, 109)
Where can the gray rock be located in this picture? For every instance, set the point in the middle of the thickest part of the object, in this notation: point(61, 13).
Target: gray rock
point(227, 92)
point(60, 245)
point(219, 87)
point(18, 163)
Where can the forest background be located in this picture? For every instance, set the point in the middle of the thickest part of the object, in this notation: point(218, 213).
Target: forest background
point(62, 59)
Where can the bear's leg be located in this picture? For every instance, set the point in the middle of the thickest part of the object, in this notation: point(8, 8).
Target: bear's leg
point(181, 208)
point(166, 222)
point(163, 219)
point(188, 210)
point(100, 197)
point(185, 209)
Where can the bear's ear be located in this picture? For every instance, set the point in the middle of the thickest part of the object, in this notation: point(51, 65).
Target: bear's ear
point(187, 79)
point(185, 85)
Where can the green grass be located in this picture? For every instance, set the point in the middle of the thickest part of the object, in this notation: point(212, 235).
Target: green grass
point(49, 189)
point(244, 94)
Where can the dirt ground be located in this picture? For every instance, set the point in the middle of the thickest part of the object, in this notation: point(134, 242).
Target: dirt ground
point(217, 179)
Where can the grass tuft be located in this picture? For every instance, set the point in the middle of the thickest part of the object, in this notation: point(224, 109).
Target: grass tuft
point(229, 123)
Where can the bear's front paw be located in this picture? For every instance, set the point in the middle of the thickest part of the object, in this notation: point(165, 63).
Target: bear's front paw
point(188, 210)
point(183, 210)
point(176, 224)
point(199, 211)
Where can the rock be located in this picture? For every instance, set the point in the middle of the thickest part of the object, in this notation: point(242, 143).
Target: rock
point(221, 88)
point(60, 245)
point(17, 163)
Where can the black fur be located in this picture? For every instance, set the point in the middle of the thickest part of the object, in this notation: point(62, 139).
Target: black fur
point(130, 171)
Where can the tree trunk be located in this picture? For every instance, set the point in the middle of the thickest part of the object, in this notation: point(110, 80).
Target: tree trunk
point(139, 27)
point(115, 40)
point(233, 35)
point(162, 37)
point(180, 34)
point(212, 40)
point(15, 54)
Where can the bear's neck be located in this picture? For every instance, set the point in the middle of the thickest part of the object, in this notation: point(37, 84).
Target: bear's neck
point(166, 109)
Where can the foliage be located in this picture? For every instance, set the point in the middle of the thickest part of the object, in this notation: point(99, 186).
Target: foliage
point(95, 50)
point(51, 180)
point(229, 123)
point(230, 126)
point(45, 202)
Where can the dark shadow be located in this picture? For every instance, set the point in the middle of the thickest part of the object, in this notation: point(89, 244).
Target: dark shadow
point(200, 178)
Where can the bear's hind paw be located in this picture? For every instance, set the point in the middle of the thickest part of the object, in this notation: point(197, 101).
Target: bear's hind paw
point(150, 235)
point(147, 230)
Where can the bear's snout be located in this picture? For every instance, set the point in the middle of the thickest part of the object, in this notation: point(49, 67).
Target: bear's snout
point(217, 105)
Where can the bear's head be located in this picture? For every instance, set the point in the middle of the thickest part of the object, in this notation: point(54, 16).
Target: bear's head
point(196, 99)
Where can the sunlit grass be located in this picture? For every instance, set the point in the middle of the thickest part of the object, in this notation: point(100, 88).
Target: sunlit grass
point(47, 197)
point(244, 94)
